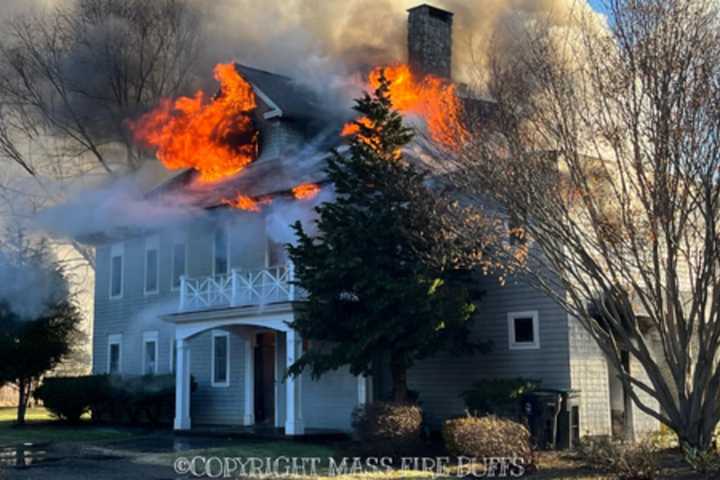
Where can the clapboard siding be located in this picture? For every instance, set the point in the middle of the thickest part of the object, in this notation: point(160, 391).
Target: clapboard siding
point(329, 401)
point(440, 380)
point(217, 405)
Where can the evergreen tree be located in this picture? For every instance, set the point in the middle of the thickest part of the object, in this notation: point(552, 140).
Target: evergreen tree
point(382, 272)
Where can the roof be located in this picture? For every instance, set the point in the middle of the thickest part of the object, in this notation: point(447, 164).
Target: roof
point(291, 99)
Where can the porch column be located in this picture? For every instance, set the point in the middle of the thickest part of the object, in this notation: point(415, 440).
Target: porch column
point(294, 424)
point(249, 405)
point(182, 386)
point(362, 388)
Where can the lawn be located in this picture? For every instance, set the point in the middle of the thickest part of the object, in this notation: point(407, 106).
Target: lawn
point(42, 427)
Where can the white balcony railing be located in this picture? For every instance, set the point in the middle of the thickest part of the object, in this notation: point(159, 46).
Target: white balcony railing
point(238, 289)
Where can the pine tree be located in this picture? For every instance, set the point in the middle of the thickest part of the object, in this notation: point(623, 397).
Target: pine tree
point(381, 273)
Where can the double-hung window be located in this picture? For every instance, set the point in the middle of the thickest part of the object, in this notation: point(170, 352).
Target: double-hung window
point(114, 356)
point(179, 262)
point(152, 267)
point(150, 353)
point(221, 252)
point(116, 270)
point(220, 367)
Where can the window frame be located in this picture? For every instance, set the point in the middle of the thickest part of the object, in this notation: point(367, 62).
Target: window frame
point(216, 334)
point(184, 243)
point(117, 250)
point(114, 339)
point(514, 345)
point(152, 243)
point(227, 251)
point(147, 338)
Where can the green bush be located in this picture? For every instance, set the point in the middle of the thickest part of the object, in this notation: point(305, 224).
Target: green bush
point(498, 396)
point(388, 428)
point(626, 461)
point(490, 436)
point(146, 399)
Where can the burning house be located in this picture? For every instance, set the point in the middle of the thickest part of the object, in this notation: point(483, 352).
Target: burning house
point(211, 297)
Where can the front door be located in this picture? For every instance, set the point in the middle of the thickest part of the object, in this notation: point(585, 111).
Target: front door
point(265, 378)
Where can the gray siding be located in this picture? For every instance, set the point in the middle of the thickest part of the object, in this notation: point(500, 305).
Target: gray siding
point(441, 379)
point(217, 405)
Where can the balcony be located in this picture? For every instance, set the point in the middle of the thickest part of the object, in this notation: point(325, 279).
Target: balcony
point(240, 288)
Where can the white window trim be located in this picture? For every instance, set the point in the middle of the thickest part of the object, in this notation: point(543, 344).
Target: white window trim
point(116, 250)
point(227, 253)
point(115, 339)
point(535, 344)
point(150, 337)
point(152, 243)
point(175, 243)
point(226, 383)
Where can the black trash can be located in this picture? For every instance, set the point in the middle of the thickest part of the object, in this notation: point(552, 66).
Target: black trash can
point(542, 408)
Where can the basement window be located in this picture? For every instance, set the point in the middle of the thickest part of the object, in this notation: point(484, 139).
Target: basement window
point(523, 330)
point(116, 270)
point(221, 359)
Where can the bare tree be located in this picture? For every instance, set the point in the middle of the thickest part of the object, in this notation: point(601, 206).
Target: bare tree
point(604, 148)
point(79, 73)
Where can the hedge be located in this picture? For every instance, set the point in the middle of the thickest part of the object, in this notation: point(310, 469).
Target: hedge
point(115, 399)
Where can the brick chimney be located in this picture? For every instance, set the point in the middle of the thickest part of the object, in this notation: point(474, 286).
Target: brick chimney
point(430, 41)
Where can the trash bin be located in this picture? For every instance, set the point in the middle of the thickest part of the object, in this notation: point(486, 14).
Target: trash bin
point(542, 407)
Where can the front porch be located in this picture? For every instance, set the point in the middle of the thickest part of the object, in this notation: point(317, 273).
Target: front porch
point(257, 398)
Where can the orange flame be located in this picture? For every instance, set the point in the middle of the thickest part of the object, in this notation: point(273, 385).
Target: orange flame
point(249, 204)
point(432, 98)
point(216, 137)
point(305, 191)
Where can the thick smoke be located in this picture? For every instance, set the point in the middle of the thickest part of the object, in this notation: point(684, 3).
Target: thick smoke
point(324, 43)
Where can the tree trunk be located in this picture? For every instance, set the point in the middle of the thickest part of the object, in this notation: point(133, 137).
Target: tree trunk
point(24, 394)
point(398, 371)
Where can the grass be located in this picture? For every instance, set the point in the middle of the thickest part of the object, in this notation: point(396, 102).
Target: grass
point(42, 427)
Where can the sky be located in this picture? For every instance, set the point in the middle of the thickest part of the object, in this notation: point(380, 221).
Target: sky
point(598, 5)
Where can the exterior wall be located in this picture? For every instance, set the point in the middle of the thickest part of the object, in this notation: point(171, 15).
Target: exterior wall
point(589, 373)
point(440, 380)
point(217, 405)
point(329, 401)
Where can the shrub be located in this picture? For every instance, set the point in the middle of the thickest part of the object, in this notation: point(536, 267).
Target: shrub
point(498, 396)
point(627, 461)
point(147, 399)
point(65, 397)
point(703, 462)
point(484, 437)
point(387, 427)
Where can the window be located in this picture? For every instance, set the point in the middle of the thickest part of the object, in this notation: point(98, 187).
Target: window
point(150, 353)
point(116, 270)
point(114, 359)
point(523, 330)
point(152, 278)
point(220, 252)
point(221, 359)
point(179, 263)
point(274, 253)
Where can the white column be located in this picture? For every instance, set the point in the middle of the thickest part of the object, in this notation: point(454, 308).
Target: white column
point(362, 382)
point(182, 386)
point(249, 404)
point(277, 374)
point(294, 424)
